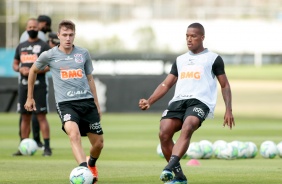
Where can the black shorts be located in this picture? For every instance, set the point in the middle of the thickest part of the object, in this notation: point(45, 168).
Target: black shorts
point(40, 96)
point(83, 112)
point(184, 108)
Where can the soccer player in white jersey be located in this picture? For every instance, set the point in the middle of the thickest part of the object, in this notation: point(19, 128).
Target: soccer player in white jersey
point(75, 94)
point(195, 74)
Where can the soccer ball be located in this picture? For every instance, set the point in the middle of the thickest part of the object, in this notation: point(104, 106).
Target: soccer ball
point(194, 151)
point(252, 150)
point(218, 146)
point(243, 149)
point(279, 149)
point(207, 149)
point(159, 151)
point(28, 146)
point(268, 149)
point(227, 151)
point(81, 175)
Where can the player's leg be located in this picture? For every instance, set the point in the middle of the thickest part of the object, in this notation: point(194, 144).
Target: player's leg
point(167, 129)
point(18, 153)
point(73, 132)
point(22, 94)
point(93, 129)
point(45, 129)
point(25, 125)
point(190, 125)
point(36, 130)
point(195, 114)
point(97, 143)
point(41, 99)
point(20, 122)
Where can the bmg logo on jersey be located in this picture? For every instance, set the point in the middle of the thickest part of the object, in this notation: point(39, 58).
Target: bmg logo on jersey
point(200, 112)
point(71, 74)
point(191, 72)
point(195, 75)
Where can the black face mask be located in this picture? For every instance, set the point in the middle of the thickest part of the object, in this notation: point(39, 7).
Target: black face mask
point(32, 33)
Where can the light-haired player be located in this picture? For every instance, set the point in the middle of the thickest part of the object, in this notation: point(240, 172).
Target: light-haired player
point(75, 94)
point(194, 74)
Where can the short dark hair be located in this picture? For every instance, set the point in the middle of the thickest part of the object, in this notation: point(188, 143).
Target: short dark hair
point(68, 24)
point(198, 26)
point(53, 38)
point(45, 18)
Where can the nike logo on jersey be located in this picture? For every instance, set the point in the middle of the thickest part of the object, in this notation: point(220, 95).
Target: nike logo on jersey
point(66, 59)
point(58, 60)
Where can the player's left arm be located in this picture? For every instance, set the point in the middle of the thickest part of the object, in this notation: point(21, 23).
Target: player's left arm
point(92, 86)
point(46, 69)
point(219, 71)
point(227, 97)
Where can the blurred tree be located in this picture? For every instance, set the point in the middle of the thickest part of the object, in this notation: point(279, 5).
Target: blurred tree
point(146, 39)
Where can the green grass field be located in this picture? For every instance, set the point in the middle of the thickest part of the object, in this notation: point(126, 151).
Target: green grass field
point(129, 155)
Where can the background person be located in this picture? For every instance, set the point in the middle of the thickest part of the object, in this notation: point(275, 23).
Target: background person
point(53, 40)
point(194, 74)
point(26, 54)
point(77, 102)
point(44, 27)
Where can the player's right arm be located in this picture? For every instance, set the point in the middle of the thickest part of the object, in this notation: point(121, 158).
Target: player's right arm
point(159, 92)
point(30, 103)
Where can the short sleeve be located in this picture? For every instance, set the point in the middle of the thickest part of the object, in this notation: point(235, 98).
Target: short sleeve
point(42, 61)
point(218, 66)
point(88, 67)
point(174, 70)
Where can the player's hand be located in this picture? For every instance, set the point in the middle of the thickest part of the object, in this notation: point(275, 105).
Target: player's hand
point(229, 119)
point(30, 105)
point(24, 71)
point(144, 104)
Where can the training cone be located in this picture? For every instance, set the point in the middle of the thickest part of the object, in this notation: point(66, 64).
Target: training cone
point(193, 162)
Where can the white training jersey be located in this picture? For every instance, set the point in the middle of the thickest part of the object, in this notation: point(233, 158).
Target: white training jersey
point(197, 77)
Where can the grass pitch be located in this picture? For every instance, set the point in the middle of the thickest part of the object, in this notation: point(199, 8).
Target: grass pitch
point(129, 155)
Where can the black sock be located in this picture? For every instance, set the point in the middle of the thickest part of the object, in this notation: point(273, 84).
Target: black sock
point(84, 164)
point(92, 161)
point(47, 143)
point(178, 172)
point(173, 161)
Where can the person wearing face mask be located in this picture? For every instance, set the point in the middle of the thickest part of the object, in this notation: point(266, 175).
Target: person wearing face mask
point(26, 54)
point(44, 27)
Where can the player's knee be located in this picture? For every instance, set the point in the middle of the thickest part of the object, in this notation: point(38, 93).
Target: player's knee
point(165, 136)
point(74, 136)
point(99, 144)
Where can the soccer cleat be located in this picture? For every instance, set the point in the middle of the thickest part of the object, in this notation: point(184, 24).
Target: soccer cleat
point(166, 176)
point(177, 181)
point(94, 171)
point(47, 152)
point(18, 153)
point(40, 146)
